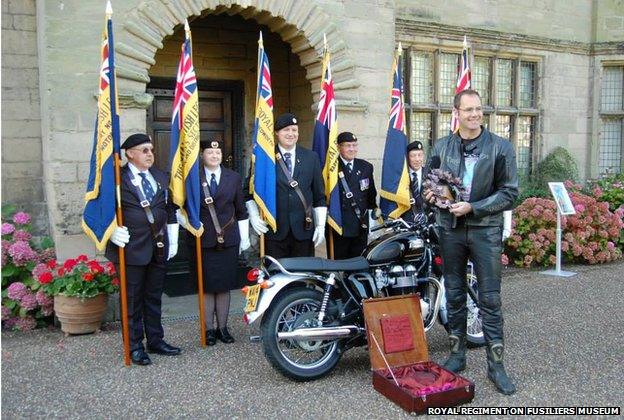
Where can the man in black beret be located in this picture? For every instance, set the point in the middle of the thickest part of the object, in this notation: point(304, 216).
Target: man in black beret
point(301, 204)
point(358, 199)
point(150, 238)
point(417, 174)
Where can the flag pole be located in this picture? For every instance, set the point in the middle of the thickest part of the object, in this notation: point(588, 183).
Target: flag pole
point(198, 249)
point(123, 295)
point(260, 45)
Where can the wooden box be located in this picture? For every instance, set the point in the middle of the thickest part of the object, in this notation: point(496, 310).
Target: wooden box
point(400, 362)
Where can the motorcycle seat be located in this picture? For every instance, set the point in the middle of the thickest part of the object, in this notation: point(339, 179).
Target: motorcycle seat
point(321, 264)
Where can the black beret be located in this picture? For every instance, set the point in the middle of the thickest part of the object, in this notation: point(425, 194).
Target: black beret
point(346, 136)
point(135, 140)
point(285, 120)
point(212, 144)
point(415, 145)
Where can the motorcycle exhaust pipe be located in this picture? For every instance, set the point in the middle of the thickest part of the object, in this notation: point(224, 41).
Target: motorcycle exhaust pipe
point(321, 333)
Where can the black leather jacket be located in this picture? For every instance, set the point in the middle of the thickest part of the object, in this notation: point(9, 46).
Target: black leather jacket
point(495, 180)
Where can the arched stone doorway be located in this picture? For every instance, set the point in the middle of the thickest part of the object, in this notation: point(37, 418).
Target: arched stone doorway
point(225, 56)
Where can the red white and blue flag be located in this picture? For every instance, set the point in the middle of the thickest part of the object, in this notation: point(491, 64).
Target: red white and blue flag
point(394, 195)
point(98, 218)
point(184, 151)
point(463, 80)
point(325, 143)
point(262, 183)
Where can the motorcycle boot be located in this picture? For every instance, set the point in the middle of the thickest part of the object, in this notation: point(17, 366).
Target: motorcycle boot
point(496, 369)
point(456, 361)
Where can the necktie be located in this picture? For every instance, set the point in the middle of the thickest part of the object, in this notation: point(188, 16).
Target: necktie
point(213, 185)
point(349, 167)
point(148, 191)
point(415, 183)
point(288, 162)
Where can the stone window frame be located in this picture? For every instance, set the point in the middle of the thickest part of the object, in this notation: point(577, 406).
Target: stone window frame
point(611, 119)
point(511, 120)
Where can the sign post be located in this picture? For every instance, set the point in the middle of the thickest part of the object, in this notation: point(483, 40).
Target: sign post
point(564, 207)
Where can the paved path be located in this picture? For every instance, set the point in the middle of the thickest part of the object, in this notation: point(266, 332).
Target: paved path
point(564, 347)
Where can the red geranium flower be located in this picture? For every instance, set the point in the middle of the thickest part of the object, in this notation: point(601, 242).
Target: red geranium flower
point(51, 264)
point(82, 258)
point(45, 277)
point(70, 264)
point(115, 281)
point(87, 276)
point(60, 271)
point(95, 267)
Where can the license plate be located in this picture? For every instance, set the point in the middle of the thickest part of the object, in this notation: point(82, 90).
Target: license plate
point(253, 292)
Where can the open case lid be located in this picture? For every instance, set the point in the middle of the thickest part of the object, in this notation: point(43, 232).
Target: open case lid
point(396, 324)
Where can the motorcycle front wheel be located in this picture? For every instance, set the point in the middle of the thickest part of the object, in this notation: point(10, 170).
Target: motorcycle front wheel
point(474, 327)
point(297, 359)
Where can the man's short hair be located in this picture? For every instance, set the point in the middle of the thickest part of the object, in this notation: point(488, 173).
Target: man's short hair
point(458, 96)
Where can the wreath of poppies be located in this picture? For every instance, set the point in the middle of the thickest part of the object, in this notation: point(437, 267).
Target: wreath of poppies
point(446, 187)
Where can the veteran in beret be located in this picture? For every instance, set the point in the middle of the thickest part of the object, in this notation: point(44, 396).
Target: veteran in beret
point(301, 204)
point(226, 234)
point(417, 174)
point(150, 238)
point(358, 199)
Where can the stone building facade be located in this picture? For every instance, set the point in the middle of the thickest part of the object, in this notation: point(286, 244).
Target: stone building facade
point(551, 72)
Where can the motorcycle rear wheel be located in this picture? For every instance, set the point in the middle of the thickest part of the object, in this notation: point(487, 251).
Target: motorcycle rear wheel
point(297, 359)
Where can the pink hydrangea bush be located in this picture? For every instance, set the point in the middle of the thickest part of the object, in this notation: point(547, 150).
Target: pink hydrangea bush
point(24, 305)
point(590, 236)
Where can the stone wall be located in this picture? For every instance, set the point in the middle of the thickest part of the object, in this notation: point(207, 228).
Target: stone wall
point(22, 169)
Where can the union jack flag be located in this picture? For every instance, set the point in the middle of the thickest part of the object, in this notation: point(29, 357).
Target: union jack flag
point(186, 83)
point(325, 144)
point(395, 196)
point(263, 180)
point(184, 148)
point(463, 80)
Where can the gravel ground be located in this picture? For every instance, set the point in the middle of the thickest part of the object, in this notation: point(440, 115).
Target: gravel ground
point(564, 346)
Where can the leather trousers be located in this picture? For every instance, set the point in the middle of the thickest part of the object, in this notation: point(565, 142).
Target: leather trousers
point(483, 246)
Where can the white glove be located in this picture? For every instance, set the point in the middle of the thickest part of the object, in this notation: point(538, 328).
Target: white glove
point(120, 236)
point(372, 220)
point(259, 225)
point(243, 229)
point(172, 233)
point(506, 224)
point(181, 219)
point(320, 217)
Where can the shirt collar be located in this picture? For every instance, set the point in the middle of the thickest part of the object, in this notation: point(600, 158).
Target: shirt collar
point(209, 172)
point(135, 171)
point(346, 162)
point(282, 150)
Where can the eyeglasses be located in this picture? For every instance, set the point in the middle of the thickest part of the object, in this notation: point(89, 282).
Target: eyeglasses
point(471, 110)
point(144, 150)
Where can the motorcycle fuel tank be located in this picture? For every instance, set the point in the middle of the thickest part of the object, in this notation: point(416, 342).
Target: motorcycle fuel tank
point(388, 247)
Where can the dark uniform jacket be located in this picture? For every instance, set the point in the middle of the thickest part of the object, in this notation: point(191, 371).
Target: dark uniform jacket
point(495, 179)
point(362, 185)
point(229, 205)
point(290, 210)
point(142, 244)
point(420, 204)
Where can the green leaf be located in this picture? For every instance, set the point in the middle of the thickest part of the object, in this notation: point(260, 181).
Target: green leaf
point(9, 270)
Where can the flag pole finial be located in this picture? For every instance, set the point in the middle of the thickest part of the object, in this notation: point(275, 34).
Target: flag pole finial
point(260, 40)
point(465, 41)
point(324, 41)
point(109, 9)
point(187, 28)
point(399, 49)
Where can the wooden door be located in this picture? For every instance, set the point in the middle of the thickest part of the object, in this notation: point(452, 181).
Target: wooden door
point(215, 123)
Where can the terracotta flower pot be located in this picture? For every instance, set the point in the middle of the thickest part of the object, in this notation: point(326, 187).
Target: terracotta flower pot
point(80, 316)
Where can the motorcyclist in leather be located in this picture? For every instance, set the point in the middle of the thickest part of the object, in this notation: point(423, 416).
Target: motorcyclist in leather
point(472, 229)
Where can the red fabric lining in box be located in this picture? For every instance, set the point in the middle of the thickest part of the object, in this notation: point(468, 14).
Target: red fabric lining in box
point(424, 378)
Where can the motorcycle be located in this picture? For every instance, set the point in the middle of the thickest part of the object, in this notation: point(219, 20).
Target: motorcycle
point(311, 308)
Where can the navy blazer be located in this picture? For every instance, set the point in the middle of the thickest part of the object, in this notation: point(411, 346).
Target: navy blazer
point(362, 185)
point(141, 248)
point(290, 210)
point(229, 203)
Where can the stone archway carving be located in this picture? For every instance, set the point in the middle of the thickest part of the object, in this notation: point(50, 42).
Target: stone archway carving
point(298, 23)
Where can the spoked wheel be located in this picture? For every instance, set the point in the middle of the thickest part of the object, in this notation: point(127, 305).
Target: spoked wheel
point(474, 330)
point(297, 359)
